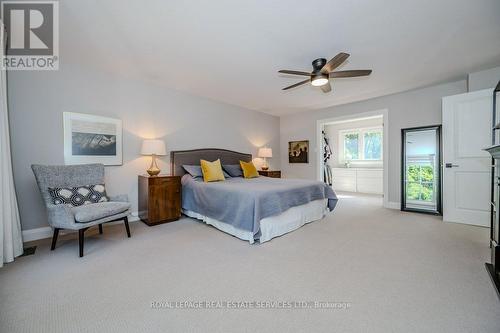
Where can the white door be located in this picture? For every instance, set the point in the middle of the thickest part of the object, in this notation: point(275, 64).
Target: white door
point(467, 126)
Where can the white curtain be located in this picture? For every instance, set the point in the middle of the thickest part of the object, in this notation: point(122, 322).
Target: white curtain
point(11, 243)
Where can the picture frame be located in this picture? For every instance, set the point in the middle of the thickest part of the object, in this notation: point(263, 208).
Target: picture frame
point(92, 139)
point(298, 151)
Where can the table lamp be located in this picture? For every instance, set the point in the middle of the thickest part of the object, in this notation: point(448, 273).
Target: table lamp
point(153, 148)
point(264, 153)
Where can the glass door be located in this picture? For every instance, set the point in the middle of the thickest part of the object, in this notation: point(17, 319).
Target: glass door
point(421, 170)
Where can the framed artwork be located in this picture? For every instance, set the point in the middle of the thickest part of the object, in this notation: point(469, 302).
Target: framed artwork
point(298, 151)
point(92, 139)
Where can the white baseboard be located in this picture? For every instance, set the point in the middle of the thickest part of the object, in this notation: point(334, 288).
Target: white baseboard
point(393, 205)
point(46, 232)
point(36, 234)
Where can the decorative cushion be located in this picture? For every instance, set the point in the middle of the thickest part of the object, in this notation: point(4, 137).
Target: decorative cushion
point(89, 213)
point(212, 171)
point(195, 171)
point(249, 169)
point(234, 170)
point(78, 196)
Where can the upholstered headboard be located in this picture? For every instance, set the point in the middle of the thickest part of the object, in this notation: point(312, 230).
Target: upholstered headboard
point(193, 157)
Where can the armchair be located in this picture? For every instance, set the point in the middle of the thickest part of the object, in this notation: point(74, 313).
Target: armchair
point(81, 217)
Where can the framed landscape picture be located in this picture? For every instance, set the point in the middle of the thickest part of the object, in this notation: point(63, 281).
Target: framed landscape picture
point(298, 151)
point(92, 139)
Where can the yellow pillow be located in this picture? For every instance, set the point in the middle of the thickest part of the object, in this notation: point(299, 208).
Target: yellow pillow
point(249, 170)
point(212, 171)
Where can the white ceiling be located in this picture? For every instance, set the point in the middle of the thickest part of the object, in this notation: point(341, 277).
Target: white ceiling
point(230, 51)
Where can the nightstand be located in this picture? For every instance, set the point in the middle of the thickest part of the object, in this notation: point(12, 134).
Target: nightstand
point(269, 173)
point(159, 199)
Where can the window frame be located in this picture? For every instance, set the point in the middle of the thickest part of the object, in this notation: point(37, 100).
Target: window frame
point(361, 144)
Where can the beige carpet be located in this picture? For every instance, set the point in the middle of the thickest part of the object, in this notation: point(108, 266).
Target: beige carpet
point(399, 272)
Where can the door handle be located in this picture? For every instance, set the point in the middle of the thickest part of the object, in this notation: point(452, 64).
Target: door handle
point(451, 165)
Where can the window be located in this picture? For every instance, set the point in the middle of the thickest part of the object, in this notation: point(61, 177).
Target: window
point(351, 146)
point(363, 144)
point(372, 145)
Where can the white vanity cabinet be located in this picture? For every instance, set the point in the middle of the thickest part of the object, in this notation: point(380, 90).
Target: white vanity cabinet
point(344, 179)
point(362, 180)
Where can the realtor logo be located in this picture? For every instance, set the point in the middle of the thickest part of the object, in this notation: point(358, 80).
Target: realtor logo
point(32, 29)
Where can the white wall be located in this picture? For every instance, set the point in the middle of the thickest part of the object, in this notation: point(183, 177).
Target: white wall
point(38, 99)
point(332, 132)
point(408, 109)
point(484, 79)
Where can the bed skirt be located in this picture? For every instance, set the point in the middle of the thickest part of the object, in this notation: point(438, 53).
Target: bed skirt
point(273, 226)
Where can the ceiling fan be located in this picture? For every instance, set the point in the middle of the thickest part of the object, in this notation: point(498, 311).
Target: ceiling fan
point(323, 72)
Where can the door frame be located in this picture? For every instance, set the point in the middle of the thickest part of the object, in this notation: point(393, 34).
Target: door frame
point(439, 203)
point(320, 124)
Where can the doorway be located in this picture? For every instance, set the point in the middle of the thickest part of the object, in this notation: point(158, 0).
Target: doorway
point(359, 158)
point(421, 169)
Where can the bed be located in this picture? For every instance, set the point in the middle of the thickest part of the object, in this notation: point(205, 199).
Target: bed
point(256, 209)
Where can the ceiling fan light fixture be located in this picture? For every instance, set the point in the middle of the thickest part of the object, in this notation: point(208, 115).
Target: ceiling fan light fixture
point(319, 80)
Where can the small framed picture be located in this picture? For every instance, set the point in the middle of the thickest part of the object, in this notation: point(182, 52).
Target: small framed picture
point(298, 151)
point(92, 139)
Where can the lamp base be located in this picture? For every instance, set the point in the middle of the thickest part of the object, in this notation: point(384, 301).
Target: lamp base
point(265, 167)
point(153, 168)
point(153, 172)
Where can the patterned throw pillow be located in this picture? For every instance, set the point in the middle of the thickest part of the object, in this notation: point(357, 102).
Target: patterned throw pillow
point(78, 196)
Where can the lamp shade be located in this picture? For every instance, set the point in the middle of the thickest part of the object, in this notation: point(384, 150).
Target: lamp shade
point(153, 147)
point(265, 152)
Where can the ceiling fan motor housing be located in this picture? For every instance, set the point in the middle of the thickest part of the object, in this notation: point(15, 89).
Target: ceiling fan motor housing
point(318, 64)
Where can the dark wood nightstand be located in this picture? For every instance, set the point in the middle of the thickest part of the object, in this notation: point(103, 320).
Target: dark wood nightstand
point(159, 199)
point(269, 173)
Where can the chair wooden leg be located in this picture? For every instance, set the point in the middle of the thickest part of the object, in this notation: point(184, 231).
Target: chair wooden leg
point(54, 238)
point(125, 220)
point(100, 229)
point(80, 240)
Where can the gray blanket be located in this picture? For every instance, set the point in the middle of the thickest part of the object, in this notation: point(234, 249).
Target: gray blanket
point(244, 202)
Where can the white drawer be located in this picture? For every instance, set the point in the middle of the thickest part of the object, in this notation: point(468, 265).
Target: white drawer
point(370, 174)
point(337, 172)
point(358, 180)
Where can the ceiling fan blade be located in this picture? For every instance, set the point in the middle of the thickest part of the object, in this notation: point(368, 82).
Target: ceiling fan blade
point(334, 62)
point(286, 71)
point(326, 87)
point(296, 84)
point(359, 72)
